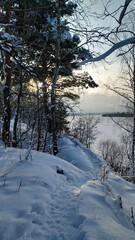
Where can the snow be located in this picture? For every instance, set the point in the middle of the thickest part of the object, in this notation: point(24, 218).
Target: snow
point(23, 126)
point(8, 36)
point(66, 35)
point(64, 197)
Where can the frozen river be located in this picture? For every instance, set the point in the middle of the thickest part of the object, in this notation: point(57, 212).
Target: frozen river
point(107, 130)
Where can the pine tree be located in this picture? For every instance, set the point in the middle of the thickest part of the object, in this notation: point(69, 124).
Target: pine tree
point(46, 51)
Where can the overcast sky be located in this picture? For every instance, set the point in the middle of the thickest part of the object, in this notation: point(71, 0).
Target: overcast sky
point(101, 99)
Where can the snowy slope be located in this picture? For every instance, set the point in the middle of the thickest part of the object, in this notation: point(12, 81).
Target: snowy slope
point(38, 203)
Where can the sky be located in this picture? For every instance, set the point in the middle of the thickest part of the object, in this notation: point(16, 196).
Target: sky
point(101, 99)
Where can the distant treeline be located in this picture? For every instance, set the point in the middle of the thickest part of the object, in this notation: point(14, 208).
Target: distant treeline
point(118, 114)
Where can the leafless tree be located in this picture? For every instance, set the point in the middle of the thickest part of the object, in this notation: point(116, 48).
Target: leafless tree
point(85, 128)
point(125, 87)
point(112, 152)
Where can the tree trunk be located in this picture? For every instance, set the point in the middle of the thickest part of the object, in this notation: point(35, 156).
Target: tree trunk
point(7, 88)
point(54, 81)
point(45, 99)
point(38, 121)
point(15, 138)
point(133, 138)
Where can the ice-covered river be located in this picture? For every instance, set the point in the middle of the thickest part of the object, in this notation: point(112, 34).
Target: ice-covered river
point(107, 130)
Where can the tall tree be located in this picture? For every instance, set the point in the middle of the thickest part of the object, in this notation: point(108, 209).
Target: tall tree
point(45, 50)
point(8, 81)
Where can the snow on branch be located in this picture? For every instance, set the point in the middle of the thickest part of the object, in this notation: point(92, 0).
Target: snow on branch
point(110, 51)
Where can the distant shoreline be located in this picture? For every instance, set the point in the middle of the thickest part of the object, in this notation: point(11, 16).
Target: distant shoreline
point(118, 114)
point(103, 114)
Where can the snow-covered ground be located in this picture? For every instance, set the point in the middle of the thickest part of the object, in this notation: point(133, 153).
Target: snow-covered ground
point(70, 197)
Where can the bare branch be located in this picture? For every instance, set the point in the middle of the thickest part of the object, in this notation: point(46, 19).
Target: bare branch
point(125, 96)
point(110, 51)
point(122, 14)
point(120, 125)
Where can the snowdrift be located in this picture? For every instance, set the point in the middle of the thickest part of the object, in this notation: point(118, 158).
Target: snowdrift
point(62, 198)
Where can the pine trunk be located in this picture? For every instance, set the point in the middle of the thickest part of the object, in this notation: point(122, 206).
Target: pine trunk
point(7, 88)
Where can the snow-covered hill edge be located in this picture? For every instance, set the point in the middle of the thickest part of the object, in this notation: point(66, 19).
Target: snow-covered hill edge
point(70, 197)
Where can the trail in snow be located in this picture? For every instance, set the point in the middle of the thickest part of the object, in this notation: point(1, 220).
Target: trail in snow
point(62, 219)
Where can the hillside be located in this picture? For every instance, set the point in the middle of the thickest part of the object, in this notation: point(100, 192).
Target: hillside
point(73, 196)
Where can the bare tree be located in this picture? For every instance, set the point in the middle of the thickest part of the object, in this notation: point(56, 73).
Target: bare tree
point(112, 152)
point(125, 87)
point(85, 128)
